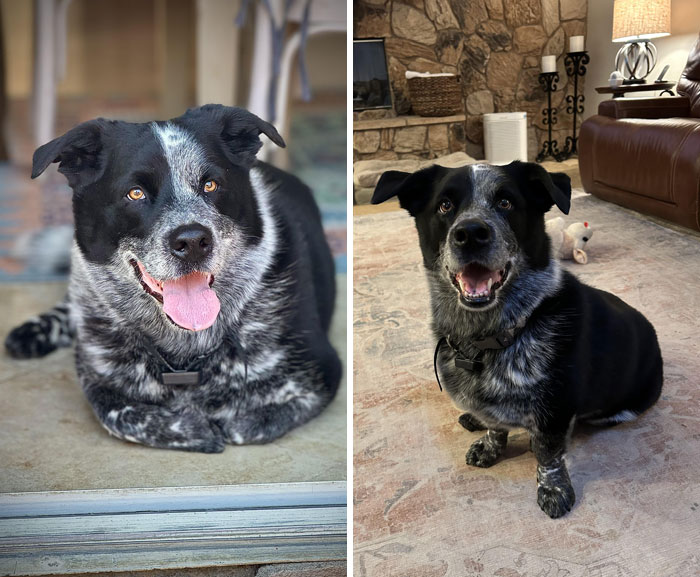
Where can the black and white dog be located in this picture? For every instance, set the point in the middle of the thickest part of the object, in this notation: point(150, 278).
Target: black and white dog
point(202, 286)
point(521, 343)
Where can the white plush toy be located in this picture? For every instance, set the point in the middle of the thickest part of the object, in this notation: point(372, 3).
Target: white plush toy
point(569, 242)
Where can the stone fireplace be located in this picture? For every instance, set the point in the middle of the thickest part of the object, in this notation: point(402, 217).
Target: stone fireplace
point(494, 46)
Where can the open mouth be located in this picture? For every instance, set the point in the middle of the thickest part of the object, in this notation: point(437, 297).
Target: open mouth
point(189, 300)
point(478, 285)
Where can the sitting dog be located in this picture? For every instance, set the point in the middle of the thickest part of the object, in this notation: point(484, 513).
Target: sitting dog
point(521, 343)
point(201, 287)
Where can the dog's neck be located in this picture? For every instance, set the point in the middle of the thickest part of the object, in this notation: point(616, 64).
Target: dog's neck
point(526, 292)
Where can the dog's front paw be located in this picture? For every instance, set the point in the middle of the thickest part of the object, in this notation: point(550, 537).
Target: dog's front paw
point(555, 501)
point(207, 438)
point(192, 431)
point(483, 453)
point(159, 427)
point(263, 424)
point(555, 493)
point(257, 428)
point(30, 340)
point(471, 423)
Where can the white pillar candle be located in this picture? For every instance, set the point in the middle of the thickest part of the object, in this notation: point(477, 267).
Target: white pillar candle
point(576, 44)
point(549, 64)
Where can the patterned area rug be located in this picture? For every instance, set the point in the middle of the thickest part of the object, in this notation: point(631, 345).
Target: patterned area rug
point(421, 511)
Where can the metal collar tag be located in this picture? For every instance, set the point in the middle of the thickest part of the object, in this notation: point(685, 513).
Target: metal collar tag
point(468, 364)
point(180, 378)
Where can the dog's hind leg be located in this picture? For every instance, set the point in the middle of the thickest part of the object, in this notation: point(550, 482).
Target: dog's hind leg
point(612, 420)
point(486, 451)
point(154, 425)
point(41, 335)
point(645, 397)
point(555, 494)
point(471, 423)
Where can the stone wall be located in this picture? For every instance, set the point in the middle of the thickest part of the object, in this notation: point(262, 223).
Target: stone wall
point(407, 137)
point(494, 45)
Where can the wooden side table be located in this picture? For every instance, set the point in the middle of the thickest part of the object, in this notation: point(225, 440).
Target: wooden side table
point(619, 91)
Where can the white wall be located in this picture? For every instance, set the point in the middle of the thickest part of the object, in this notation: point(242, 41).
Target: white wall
point(672, 50)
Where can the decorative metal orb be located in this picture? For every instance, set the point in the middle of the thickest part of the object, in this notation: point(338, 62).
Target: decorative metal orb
point(635, 60)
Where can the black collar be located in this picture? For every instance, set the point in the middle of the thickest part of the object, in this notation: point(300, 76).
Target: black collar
point(496, 341)
point(169, 375)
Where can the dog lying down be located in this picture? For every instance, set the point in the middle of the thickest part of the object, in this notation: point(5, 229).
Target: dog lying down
point(201, 287)
point(520, 342)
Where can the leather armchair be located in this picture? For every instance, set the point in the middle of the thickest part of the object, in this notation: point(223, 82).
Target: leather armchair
point(644, 153)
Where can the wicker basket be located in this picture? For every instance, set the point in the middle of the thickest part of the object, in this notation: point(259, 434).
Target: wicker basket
point(435, 95)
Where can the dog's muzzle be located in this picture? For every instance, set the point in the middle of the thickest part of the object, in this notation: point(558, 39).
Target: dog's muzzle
point(470, 241)
point(189, 300)
point(478, 284)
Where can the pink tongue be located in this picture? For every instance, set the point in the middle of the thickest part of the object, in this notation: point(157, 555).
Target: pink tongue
point(475, 279)
point(474, 286)
point(190, 302)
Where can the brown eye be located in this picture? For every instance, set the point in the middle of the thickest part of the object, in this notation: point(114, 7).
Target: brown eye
point(210, 186)
point(505, 204)
point(445, 206)
point(135, 194)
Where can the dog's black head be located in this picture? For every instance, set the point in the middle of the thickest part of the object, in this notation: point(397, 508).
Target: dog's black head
point(479, 226)
point(169, 202)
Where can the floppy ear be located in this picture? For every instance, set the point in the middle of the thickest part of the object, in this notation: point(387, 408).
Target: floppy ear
point(240, 131)
point(79, 152)
point(560, 190)
point(413, 189)
point(542, 187)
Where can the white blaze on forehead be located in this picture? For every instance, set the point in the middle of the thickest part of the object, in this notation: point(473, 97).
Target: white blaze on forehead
point(483, 178)
point(184, 155)
point(480, 173)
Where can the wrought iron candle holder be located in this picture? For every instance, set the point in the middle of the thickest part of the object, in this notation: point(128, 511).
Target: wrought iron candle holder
point(548, 81)
point(575, 63)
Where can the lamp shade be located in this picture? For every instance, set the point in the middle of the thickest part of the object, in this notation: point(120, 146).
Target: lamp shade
point(641, 19)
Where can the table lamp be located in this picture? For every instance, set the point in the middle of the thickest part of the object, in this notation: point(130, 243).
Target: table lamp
point(635, 22)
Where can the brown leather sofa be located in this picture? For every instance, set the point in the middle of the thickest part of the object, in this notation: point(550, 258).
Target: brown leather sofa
point(644, 153)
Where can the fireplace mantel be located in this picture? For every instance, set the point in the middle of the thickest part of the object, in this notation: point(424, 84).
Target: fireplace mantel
point(408, 137)
point(399, 121)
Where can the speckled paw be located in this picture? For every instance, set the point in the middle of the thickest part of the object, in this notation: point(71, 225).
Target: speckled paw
point(482, 454)
point(471, 423)
point(556, 501)
point(30, 340)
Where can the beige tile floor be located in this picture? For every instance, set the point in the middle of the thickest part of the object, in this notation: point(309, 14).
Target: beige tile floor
point(50, 440)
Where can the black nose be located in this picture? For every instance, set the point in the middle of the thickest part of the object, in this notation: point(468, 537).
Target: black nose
point(473, 233)
point(191, 242)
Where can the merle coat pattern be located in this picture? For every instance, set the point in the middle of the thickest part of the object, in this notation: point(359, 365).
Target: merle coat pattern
point(160, 202)
point(578, 352)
